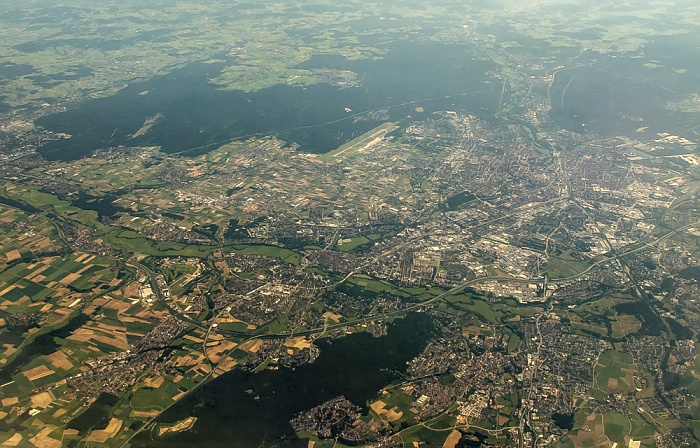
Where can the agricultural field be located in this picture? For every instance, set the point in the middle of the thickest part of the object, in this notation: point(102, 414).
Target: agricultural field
point(614, 373)
point(102, 326)
point(25, 236)
point(47, 293)
point(457, 223)
point(394, 408)
point(594, 434)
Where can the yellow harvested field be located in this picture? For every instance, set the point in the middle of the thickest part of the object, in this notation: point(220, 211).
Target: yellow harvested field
point(300, 343)
point(9, 349)
point(43, 440)
point(154, 382)
point(70, 278)
point(391, 415)
point(60, 360)
point(9, 401)
point(378, 406)
point(193, 339)
point(38, 373)
point(35, 276)
point(252, 346)
point(60, 413)
point(82, 335)
point(224, 367)
point(111, 303)
point(46, 308)
point(63, 311)
point(129, 319)
point(144, 414)
point(132, 290)
point(203, 369)
point(150, 313)
point(334, 317)
point(115, 339)
point(42, 400)
point(452, 439)
point(11, 256)
point(101, 436)
point(13, 441)
point(186, 361)
point(216, 354)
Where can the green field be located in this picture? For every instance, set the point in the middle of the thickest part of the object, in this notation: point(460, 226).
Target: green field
point(361, 285)
point(354, 243)
point(428, 437)
point(617, 427)
point(40, 280)
point(36, 237)
point(494, 313)
point(513, 343)
point(134, 242)
point(614, 373)
point(148, 399)
point(564, 266)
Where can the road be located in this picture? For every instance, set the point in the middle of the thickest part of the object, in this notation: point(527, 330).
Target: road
point(525, 411)
point(384, 316)
point(625, 254)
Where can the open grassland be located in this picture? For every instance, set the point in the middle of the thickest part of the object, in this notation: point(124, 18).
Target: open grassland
point(564, 266)
point(617, 427)
point(614, 373)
